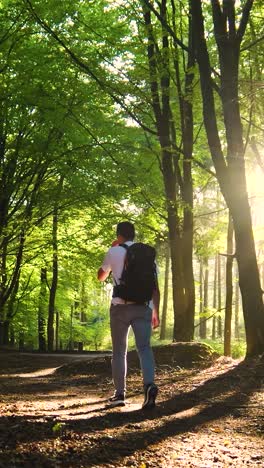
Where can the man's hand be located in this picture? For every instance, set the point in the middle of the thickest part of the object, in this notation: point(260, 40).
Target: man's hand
point(155, 319)
point(102, 275)
point(155, 310)
point(115, 243)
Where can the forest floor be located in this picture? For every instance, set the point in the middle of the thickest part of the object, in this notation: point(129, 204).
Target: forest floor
point(53, 414)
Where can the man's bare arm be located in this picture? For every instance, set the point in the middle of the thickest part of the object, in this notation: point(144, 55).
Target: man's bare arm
point(155, 310)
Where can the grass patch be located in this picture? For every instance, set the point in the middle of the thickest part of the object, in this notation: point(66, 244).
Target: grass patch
point(238, 348)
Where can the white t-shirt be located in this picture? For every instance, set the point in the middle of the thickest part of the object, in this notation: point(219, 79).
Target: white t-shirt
point(114, 261)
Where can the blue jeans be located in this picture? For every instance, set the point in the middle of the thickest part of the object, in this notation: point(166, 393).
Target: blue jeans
point(139, 318)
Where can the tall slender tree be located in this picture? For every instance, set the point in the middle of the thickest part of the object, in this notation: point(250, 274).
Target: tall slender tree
point(178, 186)
point(229, 24)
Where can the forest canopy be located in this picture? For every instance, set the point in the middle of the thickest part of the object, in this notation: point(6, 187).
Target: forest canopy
point(146, 111)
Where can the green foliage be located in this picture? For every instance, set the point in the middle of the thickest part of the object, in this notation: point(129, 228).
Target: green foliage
point(238, 348)
point(58, 429)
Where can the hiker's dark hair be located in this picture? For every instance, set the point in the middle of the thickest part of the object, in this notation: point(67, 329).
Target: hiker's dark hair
point(126, 229)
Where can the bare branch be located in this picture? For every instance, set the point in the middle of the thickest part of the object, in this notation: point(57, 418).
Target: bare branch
point(244, 20)
point(208, 318)
point(165, 25)
point(233, 255)
point(203, 166)
point(252, 44)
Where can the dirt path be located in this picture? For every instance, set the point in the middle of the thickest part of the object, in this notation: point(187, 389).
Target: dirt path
point(207, 417)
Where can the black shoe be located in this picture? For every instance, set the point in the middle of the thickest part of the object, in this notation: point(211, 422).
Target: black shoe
point(151, 392)
point(116, 400)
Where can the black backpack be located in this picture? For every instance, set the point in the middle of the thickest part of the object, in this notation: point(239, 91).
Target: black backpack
point(139, 277)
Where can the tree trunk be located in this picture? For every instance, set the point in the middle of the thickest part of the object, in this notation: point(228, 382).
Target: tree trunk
point(9, 290)
point(4, 332)
point(201, 286)
point(165, 295)
point(229, 289)
point(3, 285)
point(71, 329)
point(219, 297)
point(249, 283)
point(42, 310)
point(54, 281)
point(203, 319)
point(57, 342)
point(188, 206)
point(178, 292)
point(214, 299)
point(231, 172)
point(12, 335)
point(83, 302)
point(186, 118)
point(9, 311)
point(160, 93)
point(21, 341)
point(237, 300)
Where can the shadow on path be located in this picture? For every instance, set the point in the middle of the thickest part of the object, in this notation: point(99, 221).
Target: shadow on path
point(224, 395)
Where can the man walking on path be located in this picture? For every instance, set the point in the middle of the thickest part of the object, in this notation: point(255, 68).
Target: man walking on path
point(125, 313)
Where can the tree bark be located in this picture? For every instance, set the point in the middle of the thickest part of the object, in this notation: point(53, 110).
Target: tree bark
point(165, 295)
point(229, 289)
point(9, 313)
point(187, 192)
point(214, 299)
point(54, 281)
point(9, 291)
point(237, 301)
point(83, 302)
point(201, 288)
point(71, 329)
point(4, 332)
point(57, 335)
point(12, 335)
point(203, 318)
point(41, 310)
point(219, 297)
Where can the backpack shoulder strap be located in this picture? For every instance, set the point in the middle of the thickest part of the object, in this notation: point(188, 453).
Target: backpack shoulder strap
point(126, 247)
